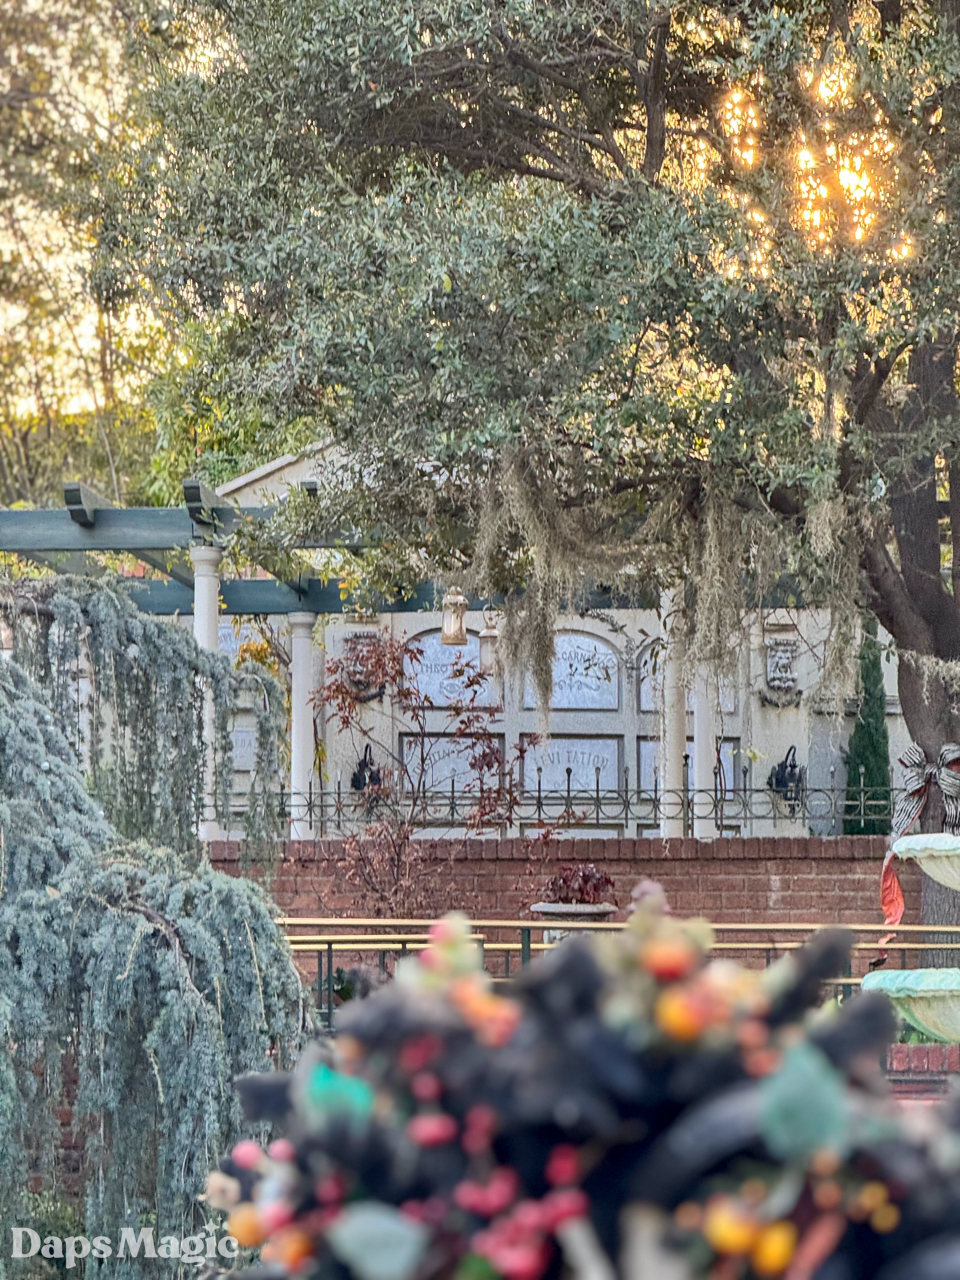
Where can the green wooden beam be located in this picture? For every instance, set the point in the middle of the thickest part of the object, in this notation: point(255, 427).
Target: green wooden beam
point(265, 596)
point(132, 529)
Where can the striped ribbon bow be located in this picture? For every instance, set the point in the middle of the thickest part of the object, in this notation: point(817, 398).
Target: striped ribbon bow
point(919, 775)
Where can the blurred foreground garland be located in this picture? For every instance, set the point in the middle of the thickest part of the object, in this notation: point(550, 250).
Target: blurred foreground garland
point(630, 1108)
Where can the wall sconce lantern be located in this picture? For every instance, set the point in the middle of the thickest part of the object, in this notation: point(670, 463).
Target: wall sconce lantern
point(489, 638)
point(453, 627)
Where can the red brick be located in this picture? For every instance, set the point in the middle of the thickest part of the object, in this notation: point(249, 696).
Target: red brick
point(953, 1057)
point(935, 1058)
point(919, 1057)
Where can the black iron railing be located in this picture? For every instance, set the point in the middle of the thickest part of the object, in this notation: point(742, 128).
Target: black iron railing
point(723, 810)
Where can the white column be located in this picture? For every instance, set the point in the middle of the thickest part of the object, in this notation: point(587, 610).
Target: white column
point(673, 718)
point(301, 722)
point(206, 630)
point(705, 754)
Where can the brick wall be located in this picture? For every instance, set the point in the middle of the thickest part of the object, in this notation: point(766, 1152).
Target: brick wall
point(786, 880)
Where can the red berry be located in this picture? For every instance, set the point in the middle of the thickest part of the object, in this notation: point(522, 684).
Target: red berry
point(282, 1149)
point(275, 1214)
point(469, 1196)
point(419, 1052)
point(529, 1216)
point(247, 1154)
point(501, 1190)
point(432, 1129)
point(560, 1206)
point(563, 1166)
point(426, 1087)
point(521, 1262)
point(474, 1142)
point(329, 1190)
point(481, 1118)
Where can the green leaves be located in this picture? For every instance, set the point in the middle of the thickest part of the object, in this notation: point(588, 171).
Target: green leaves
point(377, 1241)
point(805, 1106)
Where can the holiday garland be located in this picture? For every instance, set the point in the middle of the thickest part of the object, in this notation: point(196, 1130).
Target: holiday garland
point(628, 1107)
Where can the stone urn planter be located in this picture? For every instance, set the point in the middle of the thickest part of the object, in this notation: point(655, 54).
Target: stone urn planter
point(575, 894)
point(937, 855)
point(580, 912)
point(929, 999)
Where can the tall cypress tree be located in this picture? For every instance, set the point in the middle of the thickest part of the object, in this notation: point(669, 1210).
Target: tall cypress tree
point(870, 748)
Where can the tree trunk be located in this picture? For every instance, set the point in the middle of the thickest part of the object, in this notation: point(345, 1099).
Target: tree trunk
point(931, 721)
point(909, 594)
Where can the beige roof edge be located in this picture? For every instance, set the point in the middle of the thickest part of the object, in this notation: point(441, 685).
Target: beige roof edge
point(268, 469)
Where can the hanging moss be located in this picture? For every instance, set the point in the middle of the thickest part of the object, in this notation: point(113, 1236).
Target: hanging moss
point(158, 979)
point(127, 691)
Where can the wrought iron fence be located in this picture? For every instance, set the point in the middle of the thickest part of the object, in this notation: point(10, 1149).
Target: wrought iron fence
point(722, 810)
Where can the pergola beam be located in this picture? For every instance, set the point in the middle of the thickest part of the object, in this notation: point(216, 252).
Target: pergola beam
point(261, 596)
point(131, 529)
point(90, 523)
point(83, 503)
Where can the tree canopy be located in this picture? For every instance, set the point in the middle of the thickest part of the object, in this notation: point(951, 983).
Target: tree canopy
point(73, 359)
point(579, 291)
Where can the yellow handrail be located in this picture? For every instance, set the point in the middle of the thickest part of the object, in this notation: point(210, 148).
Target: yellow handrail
point(349, 922)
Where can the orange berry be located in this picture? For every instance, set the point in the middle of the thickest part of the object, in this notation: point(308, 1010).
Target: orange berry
point(752, 1034)
point(668, 959)
point(761, 1062)
point(727, 1227)
point(245, 1226)
point(688, 1216)
point(678, 1014)
point(774, 1248)
point(825, 1162)
point(294, 1246)
point(872, 1195)
point(885, 1218)
point(753, 1191)
point(828, 1194)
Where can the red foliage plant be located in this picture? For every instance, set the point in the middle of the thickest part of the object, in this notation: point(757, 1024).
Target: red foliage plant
point(584, 884)
point(394, 793)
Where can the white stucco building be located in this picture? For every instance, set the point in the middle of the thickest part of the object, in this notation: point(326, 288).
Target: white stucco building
point(628, 750)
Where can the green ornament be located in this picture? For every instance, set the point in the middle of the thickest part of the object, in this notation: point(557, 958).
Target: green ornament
point(329, 1091)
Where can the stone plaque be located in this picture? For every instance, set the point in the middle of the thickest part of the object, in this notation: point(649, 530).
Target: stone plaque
point(444, 759)
point(244, 750)
point(435, 672)
point(586, 675)
point(782, 652)
point(582, 756)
